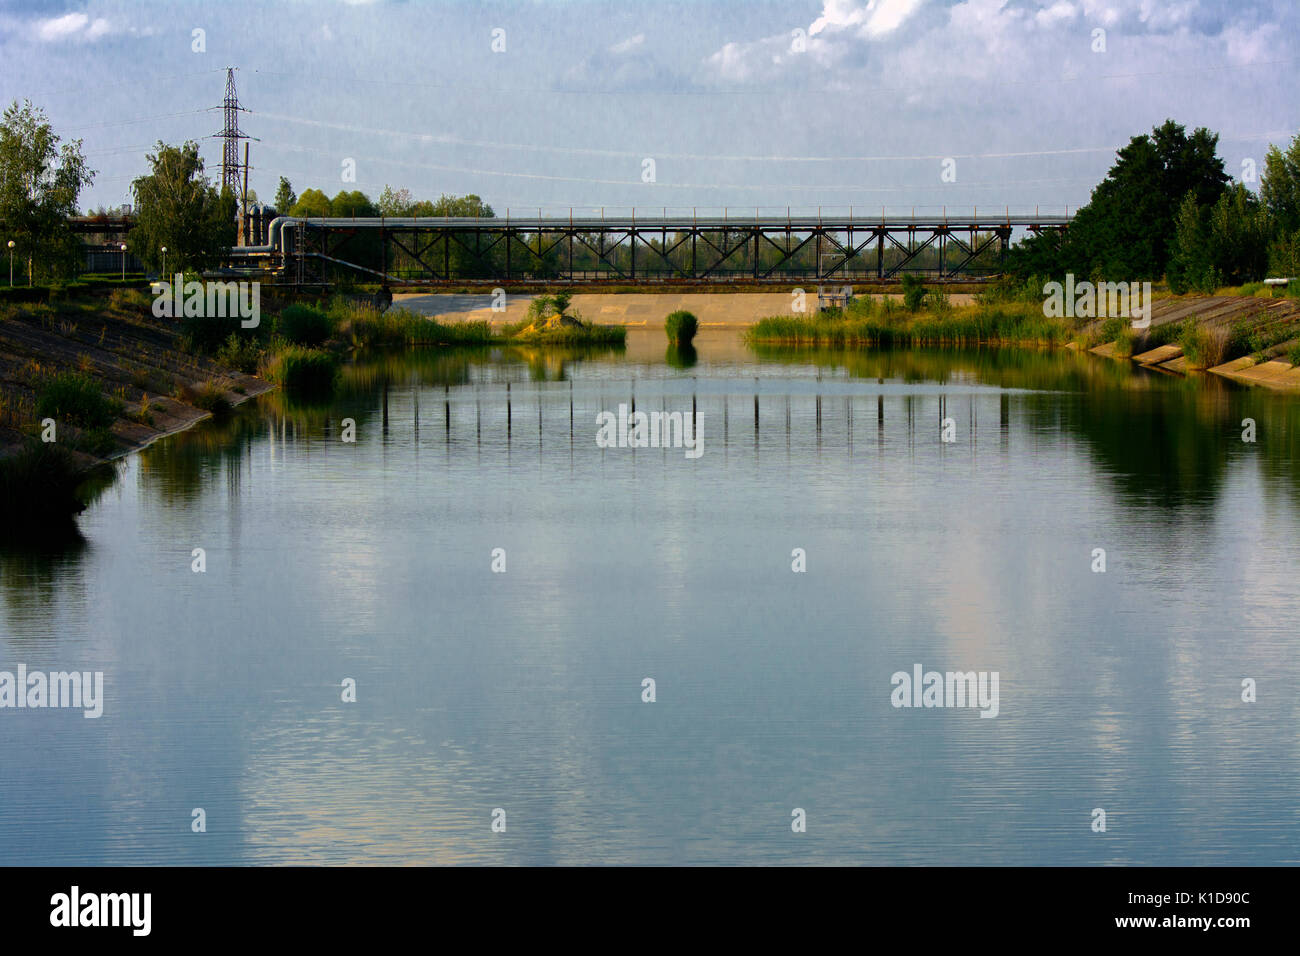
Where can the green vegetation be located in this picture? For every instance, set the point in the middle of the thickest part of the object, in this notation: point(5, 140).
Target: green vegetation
point(868, 322)
point(76, 398)
point(913, 292)
point(178, 207)
point(681, 327)
point(39, 185)
point(1204, 347)
point(38, 486)
point(303, 371)
point(305, 325)
point(1167, 209)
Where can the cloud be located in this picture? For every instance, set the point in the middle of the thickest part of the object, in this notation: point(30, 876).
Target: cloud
point(71, 26)
point(631, 43)
point(870, 20)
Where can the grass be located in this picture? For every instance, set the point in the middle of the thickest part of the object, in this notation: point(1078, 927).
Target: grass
point(76, 398)
point(38, 484)
point(303, 371)
point(1204, 348)
point(306, 325)
point(681, 327)
point(870, 323)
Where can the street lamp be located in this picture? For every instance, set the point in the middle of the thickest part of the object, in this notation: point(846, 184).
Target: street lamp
point(164, 252)
point(124, 262)
point(11, 263)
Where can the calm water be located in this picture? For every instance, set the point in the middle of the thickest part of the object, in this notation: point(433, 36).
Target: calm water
point(523, 690)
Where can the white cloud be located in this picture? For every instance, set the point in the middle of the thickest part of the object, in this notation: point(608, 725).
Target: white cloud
point(71, 26)
point(872, 20)
point(631, 43)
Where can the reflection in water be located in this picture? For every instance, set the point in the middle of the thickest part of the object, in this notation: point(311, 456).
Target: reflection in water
point(372, 560)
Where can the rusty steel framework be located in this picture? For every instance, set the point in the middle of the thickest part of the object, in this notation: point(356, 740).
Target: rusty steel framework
point(639, 249)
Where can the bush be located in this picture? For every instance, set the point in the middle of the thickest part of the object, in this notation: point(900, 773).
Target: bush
point(681, 327)
point(38, 483)
point(306, 372)
point(1293, 354)
point(240, 352)
point(913, 292)
point(76, 398)
point(304, 325)
point(1204, 348)
point(204, 335)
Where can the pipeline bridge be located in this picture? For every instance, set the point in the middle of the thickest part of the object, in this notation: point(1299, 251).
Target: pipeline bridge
point(633, 248)
point(639, 249)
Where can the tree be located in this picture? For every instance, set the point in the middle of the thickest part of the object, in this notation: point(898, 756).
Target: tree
point(39, 185)
point(177, 206)
point(1124, 233)
point(1279, 189)
point(312, 204)
point(1226, 243)
point(396, 202)
point(285, 197)
point(354, 203)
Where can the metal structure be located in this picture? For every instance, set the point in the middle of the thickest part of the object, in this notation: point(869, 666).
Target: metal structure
point(644, 249)
point(230, 136)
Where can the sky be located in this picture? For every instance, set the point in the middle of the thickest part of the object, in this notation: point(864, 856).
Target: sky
point(868, 105)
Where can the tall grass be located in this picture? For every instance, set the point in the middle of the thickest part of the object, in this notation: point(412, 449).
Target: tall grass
point(76, 398)
point(681, 327)
point(1205, 348)
point(303, 371)
point(37, 484)
point(885, 326)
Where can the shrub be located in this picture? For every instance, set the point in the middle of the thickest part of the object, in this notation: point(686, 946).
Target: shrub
point(76, 398)
point(1204, 348)
point(204, 335)
point(304, 325)
point(1113, 328)
point(37, 483)
point(303, 371)
point(681, 327)
point(1293, 354)
point(240, 352)
point(913, 292)
point(211, 397)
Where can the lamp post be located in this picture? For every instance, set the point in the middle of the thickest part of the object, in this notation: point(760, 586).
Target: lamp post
point(124, 262)
point(11, 263)
point(164, 252)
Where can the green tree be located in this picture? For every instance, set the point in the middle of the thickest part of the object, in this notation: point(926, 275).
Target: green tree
point(312, 204)
point(1125, 230)
point(354, 203)
point(285, 197)
point(39, 185)
point(1279, 190)
point(1226, 243)
point(177, 206)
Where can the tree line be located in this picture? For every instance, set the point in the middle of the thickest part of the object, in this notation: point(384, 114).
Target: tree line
point(1167, 209)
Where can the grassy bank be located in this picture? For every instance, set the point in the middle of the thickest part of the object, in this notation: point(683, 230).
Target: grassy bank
point(870, 322)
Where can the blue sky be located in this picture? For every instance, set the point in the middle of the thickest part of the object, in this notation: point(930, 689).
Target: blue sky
point(835, 103)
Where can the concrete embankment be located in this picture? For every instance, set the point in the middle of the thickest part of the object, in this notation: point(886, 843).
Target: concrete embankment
point(719, 310)
point(1267, 319)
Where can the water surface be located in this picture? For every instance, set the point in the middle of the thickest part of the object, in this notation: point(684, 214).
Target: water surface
point(522, 690)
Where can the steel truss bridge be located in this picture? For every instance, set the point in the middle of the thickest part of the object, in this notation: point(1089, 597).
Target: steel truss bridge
point(638, 250)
